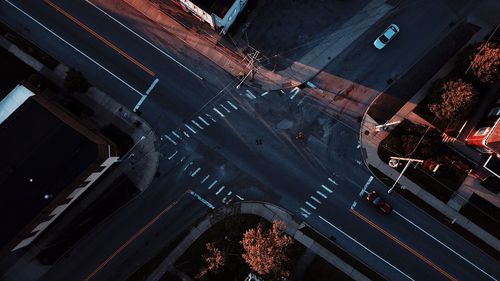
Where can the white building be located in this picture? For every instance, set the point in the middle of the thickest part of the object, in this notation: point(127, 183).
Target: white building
point(219, 14)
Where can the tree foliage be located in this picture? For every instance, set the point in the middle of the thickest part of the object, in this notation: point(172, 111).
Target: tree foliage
point(75, 81)
point(214, 259)
point(455, 99)
point(265, 250)
point(485, 63)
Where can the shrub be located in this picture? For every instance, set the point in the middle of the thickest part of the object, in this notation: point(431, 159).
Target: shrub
point(455, 100)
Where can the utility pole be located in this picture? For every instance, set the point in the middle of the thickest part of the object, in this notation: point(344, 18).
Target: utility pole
point(394, 162)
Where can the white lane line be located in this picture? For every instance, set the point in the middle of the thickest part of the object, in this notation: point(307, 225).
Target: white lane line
point(311, 205)
point(332, 181)
point(305, 211)
point(210, 117)
point(196, 124)
point(195, 172)
point(239, 197)
point(191, 129)
point(232, 105)
point(171, 140)
point(366, 186)
point(204, 201)
point(225, 108)
point(321, 194)
point(172, 156)
point(176, 135)
point(366, 248)
point(205, 179)
point(264, 94)
point(315, 199)
point(216, 110)
point(146, 41)
point(250, 94)
point(186, 134)
point(220, 189)
point(354, 204)
point(212, 184)
point(203, 120)
point(75, 48)
point(444, 245)
point(326, 188)
point(139, 103)
point(152, 86)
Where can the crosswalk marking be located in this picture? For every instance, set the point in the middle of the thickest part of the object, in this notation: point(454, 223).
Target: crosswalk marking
point(216, 110)
point(332, 181)
point(171, 140)
point(311, 205)
point(205, 179)
point(322, 195)
point(315, 199)
point(220, 189)
point(191, 129)
point(232, 105)
point(172, 156)
point(305, 211)
point(225, 108)
point(326, 188)
point(186, 134)
point(239, 197)
point(264, 94)
point(212, 184)
point(203, 120)
point(195, 172)
point(210, 117)
point(196, 124)
point(176, 135)
point(250, 95)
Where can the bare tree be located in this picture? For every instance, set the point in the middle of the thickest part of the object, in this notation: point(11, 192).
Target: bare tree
point(215, 260)
point(455, 100)
point(485, 63)
point(265, 250)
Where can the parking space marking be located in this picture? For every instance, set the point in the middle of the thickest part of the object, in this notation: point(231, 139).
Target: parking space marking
point(326, 188)
point(311, 205)
point(444, 245)
point(364, 247)
point(365, 186)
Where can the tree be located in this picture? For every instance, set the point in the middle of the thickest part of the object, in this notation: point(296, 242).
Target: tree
point(485, 63)
point(75, 81)
point(265, 250)
point(456, 98)
point(215, 260)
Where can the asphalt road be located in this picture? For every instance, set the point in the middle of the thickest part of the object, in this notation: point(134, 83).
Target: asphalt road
point(219, 155)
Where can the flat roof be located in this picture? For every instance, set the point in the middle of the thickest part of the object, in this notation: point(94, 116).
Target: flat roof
point(41, 155)
point(218, 7)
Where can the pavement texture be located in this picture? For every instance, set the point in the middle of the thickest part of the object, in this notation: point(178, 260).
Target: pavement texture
point(267, 211)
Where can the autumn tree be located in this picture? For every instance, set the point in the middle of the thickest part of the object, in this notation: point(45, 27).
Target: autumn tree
point(485, 63)
point(455, 99)
point(214, 259)
point(265, 249)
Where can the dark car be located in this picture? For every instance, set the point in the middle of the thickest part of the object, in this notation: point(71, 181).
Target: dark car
point(377, 201)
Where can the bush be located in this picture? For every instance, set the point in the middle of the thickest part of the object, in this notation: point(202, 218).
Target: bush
point(75, 82)
point(455, 100)
point(485, 63)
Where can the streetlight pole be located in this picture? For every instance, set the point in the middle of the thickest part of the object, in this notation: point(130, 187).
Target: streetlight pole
point(395, 164)
point(123, 157)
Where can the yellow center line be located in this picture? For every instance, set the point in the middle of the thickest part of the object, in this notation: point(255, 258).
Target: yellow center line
point(411, 250)
point(104, 40)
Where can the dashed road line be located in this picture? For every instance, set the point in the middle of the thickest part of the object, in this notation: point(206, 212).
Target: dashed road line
point(311, 205)
point(203, 200)
point(326, 188)
point(187, 166)
point(152, 86)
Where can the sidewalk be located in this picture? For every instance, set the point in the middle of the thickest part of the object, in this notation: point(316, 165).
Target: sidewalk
point(370, 140)
point(267, 211)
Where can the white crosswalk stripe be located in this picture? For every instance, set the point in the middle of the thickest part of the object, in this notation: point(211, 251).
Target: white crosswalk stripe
point(232, 105)
point(203, 120)
point(196, 124)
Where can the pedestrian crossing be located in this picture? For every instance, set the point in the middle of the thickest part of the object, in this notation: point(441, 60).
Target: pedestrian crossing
point(316, 199)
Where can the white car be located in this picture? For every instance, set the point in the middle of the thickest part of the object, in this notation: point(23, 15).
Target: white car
point(386, 36)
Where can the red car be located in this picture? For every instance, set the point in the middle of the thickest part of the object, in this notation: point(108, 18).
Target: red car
point(377, 201)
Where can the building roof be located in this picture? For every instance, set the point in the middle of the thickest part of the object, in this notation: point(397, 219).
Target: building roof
point(41, 156)
point(493, 138)
point(217, 7)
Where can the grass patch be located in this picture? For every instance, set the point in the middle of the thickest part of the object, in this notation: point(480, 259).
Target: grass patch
point(483, 213)
point(342, 254)
point(431, 211)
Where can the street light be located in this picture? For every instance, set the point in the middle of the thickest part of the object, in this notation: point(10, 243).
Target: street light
point(394, 162)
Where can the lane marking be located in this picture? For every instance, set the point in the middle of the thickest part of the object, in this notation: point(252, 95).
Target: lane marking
point(408, 248)
point(365, 186)
point(354, 204)
point(264, 94)
point(205, 179)
point(321, 194)
point(311, 205)
point(152, 86)
point(366, 248)
point(332, 181)
point(191, 129)
point(172, 156)
point(220, 189)
point(195, 172)
point(196, 124)
point(104, 40)
point(326, 188)
point(147, 42)
point(216, 110)
point(315, 199)
point(444, 245)
point(232, 105)
point(134, 237)
point(74, 48)
point(212, 184)
point(202, 200)
point(203, 120)
point(305, 211)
